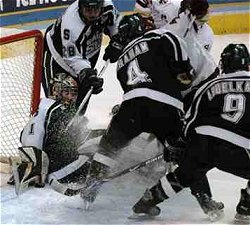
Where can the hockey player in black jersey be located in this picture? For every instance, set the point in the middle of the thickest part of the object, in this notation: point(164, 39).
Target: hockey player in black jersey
point(152, 69)
point(218, 132)
point(73, 42)
point(49, 145)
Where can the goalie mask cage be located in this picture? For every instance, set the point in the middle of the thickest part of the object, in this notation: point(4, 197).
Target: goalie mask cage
point(20, 74)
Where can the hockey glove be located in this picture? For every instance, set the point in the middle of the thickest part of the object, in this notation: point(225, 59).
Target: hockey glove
point(175, 152)
point(87, 79)
point(114, 49)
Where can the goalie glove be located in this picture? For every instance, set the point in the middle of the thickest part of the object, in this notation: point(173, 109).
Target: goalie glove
point(114, 49)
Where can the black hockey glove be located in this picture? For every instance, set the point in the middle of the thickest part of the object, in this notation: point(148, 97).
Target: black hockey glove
point(114, 49)
point(175, 152)
point(87, 79)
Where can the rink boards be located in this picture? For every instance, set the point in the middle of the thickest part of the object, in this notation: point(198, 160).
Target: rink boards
point(225, 18)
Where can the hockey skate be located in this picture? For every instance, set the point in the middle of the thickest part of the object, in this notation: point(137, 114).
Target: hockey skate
point(93, 183)
point(145, 207)
point(213, 209)
point(243, 208)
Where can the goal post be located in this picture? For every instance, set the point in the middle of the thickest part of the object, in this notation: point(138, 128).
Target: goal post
point(20, 76)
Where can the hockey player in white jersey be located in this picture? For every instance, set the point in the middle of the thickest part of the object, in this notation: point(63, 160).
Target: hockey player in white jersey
point(49, 146)
point(164, 12)
point(73, 42)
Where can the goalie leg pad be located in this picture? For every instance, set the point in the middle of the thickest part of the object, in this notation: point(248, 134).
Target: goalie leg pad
point(32, 170)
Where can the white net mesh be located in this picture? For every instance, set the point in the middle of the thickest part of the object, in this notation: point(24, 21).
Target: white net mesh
point(17, 76)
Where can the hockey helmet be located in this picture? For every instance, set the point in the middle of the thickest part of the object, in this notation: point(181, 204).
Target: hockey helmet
point(131, 27)
point(235, 57)
point(90, 10)
point(65, 89)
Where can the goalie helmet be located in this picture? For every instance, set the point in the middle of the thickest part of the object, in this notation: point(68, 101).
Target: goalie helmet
point(235, 57)
point(65, 89)
point(90, 10)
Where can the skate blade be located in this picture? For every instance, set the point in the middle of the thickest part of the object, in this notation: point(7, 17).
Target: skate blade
point(215, 215)
point(242, 219)
point(141, 216)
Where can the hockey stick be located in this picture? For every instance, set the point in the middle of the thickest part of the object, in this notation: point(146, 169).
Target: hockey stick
point(70, 191)
point(86, 98)
point(134, 168)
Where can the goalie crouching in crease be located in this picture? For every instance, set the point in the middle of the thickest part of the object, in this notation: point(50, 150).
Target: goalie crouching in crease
point(49, 148)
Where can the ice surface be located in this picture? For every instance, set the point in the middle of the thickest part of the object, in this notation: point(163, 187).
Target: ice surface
point(113, 205)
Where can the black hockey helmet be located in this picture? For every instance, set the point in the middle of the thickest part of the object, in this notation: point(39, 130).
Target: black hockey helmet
point(131, 27)
point(235, 57)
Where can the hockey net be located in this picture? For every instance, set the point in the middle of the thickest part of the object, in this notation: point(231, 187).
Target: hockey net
point(20, 75)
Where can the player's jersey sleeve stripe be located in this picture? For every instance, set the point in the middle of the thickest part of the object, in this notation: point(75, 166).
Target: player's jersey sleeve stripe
point(142, 3)
point(48, 117)
point(80, 40)
point(179, 52)
point(154, 95)
point(224, 135)
point(58, 58)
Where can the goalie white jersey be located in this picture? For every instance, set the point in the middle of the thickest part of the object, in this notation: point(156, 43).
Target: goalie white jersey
point(46, 131)
point(34, 131)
